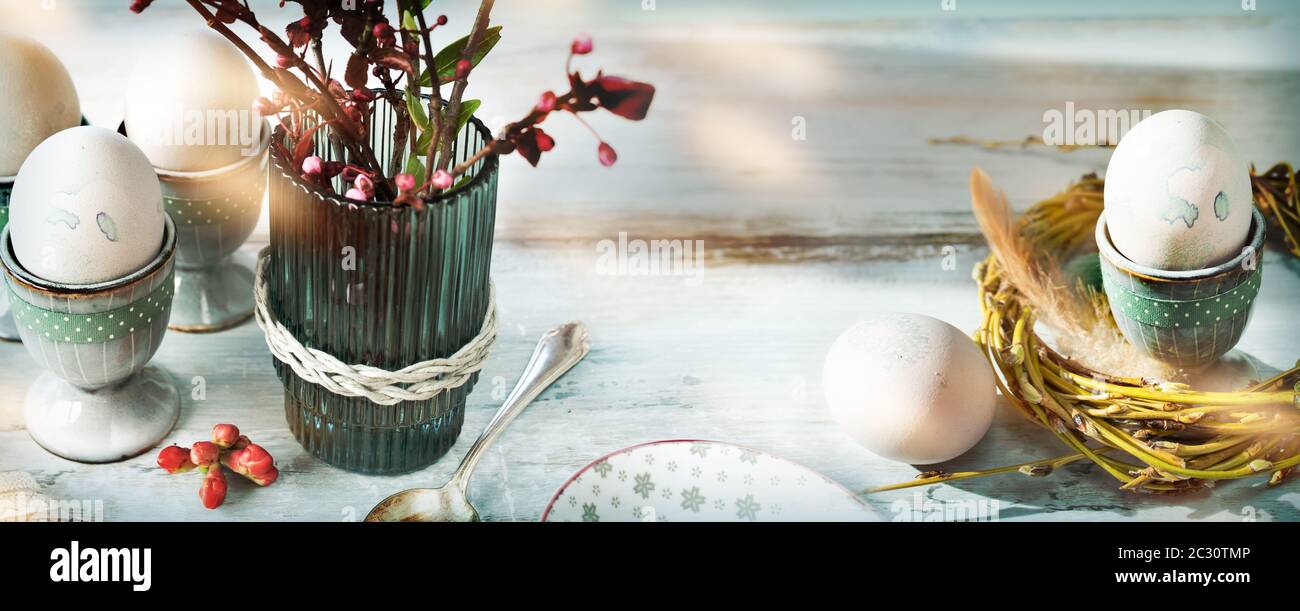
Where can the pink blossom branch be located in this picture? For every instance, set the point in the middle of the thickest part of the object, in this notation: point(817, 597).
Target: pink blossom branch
point(335, 113)
point(458, 90)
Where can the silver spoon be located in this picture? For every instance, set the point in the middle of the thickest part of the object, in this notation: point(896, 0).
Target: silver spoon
point(558, 351)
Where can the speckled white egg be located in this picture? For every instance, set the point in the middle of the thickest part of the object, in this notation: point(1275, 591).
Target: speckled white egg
point(86, 208)
point(37, 98)
point(1178, 193)
point(910, 388)
point(189, 101)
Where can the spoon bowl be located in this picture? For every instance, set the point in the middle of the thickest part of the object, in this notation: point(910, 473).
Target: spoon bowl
point(557, 352)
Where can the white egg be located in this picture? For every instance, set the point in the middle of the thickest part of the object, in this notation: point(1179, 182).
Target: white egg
point(86, 208)
point(910, 388)
point(189, 102)
point(37, 98)
point(1178, 193)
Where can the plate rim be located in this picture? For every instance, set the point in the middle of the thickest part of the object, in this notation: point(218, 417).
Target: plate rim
point(546, 513)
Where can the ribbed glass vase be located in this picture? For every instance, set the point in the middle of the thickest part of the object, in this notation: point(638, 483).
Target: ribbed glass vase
point(383, 285)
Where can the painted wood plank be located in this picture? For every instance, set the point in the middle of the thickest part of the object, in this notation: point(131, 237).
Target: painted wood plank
point(801, 238)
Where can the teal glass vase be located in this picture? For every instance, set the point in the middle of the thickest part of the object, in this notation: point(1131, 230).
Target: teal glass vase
point(382, 285)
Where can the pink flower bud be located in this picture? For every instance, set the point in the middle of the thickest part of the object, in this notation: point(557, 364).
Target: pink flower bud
point(442, 20)
point(462, 68)
point(405, 182)
point(544, 140)
point(581, 45)
point(225, 435)
point(284, 61)
point(441, 180)
point(607, 154)
point(311, 166)
point(547, 102)
point(204, 453)
point(213, 490)
point(363, 95)
point(355, 193)
point(175, 459)
point(252, 462)
point(364, 183)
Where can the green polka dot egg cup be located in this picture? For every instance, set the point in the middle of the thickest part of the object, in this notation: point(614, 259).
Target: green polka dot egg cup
point(215, 211)
point(98, 400)
point(1187, 318)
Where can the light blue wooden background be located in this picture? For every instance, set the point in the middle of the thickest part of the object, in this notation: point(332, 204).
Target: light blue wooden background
point(802, 237)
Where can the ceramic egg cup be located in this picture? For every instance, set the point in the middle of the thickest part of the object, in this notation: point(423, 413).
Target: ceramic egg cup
point(97, 401)
point(1188, 318)
point(215, 211)
point(8, 331)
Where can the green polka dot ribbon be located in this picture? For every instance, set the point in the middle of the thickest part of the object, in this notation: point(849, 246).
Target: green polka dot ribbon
point(94, 328)
point(1201, 312)
point(209, 211)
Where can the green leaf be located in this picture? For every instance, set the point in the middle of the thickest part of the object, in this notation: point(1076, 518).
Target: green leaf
point(464, 180)
point(467, 110)
point(415, 106)
point(415, 168)
point(445, 60)
point(423, 142)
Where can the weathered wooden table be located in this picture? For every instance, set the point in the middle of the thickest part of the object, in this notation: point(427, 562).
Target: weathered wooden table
point(796, 147)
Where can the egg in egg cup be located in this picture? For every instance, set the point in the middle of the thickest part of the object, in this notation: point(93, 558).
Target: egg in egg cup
point(98, 400)
point(215, 211)
point(1188, 318)
point(8, 332)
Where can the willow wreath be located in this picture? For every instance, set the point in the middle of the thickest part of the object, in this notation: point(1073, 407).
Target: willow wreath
point(1151, 434)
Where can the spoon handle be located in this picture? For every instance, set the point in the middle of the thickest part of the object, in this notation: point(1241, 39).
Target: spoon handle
point(558, 351)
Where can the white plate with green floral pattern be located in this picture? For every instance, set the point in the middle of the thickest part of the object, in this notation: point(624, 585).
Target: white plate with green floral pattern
point(701, 481)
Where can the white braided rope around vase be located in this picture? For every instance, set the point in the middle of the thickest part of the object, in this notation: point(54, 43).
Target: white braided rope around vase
point(418, 382)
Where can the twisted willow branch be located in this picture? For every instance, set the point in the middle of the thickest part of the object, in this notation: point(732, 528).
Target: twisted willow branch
point(417, 382)
point(1151, 436)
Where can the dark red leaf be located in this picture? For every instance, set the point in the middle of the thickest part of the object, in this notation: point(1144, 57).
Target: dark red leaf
point(299, 32)
point(624, 97)
point(357, 72)
point(303, 148)
point(393, 60)
point(531, 143)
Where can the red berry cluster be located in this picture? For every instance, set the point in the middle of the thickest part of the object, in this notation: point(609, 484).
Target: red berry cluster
point(228, 448)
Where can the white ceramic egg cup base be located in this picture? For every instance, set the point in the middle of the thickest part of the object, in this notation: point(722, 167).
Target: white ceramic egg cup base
point(212, 298)
point(105, 425)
